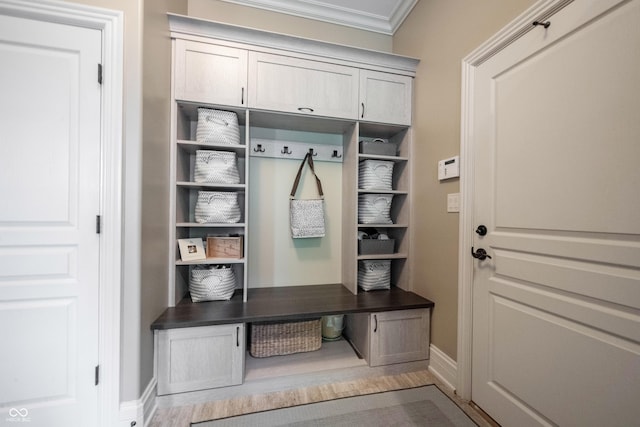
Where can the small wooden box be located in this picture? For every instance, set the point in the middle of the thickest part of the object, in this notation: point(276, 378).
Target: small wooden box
point(224, 247)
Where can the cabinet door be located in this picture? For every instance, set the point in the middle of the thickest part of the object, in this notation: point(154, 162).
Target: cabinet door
point(210, 73)
point(385, 98)
point(295, 85)
point(200, 358)
point(399, 336)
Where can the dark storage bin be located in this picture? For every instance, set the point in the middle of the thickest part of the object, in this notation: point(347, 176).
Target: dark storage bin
point(379, 147)
point(375, 246)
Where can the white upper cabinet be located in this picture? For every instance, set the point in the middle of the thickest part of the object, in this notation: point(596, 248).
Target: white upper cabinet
point(288, 84)
point(385, 98)
point(209, 73)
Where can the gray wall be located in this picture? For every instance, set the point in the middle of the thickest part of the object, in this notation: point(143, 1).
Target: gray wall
point(441, 33)
point(156, 124)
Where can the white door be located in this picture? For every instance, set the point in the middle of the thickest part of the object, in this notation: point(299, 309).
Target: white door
point(556, 310)
point(49, 198)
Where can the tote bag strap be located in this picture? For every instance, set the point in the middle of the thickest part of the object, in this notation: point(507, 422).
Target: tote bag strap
point(309, 160)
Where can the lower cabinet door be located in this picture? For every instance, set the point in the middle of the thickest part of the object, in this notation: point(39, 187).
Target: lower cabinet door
point(390, 337)
point(398, 336)
point(199, 358)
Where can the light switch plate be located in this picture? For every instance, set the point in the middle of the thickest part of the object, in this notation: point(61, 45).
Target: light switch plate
point(449, 168)
point(453, 202)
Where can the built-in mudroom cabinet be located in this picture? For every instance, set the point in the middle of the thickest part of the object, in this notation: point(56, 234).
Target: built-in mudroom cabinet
point(289, 96)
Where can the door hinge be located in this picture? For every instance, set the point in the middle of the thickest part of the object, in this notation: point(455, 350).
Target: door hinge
point(97, 378)
point(100, 73)
point(98, 223)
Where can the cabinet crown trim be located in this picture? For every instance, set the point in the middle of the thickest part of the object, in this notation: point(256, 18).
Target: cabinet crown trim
point(181, 24)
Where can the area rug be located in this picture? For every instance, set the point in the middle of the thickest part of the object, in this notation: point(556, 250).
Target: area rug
point(419, 406)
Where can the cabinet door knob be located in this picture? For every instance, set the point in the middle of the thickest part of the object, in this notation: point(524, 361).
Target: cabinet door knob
point(375, 326)
point(362, 116)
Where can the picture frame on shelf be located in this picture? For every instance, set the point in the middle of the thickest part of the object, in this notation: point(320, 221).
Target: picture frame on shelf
point(191, 249)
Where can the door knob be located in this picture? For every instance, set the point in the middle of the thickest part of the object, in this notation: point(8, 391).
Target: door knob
point(480, 254)
point(481, 230)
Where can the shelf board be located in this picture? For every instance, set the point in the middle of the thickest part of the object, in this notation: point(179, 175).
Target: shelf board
point(381, 130)
point(395, 159)
point(374, 191)
point(332, 355)
point(189, 109)
point(383, 225)
point(211, 225)
point(202, 185)
point(212, 261)
point(193, 146)
point(383, 256)
point(299, 122)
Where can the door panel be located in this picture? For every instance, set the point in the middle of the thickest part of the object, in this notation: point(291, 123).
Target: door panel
point(49, 249)
point(556, 310)
point(527, 339)
point(536, 115)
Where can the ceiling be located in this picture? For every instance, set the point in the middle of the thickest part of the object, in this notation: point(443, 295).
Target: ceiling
point(381, 16)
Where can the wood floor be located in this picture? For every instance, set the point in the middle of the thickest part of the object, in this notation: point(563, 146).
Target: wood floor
point(182, 416)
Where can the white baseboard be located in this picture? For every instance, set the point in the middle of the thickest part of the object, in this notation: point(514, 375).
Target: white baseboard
point(443, 367)
point(139, 412)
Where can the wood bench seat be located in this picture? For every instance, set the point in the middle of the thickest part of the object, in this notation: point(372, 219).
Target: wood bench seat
point(286, 303)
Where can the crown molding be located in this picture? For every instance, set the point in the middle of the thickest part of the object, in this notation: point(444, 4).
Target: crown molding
point(341, 15)
point(190, 26)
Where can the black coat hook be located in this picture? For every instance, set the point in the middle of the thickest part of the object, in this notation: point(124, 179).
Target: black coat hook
point(286, 150)
point(336, 155)
point(259, 149)
point(544, 24)
point(312, 152)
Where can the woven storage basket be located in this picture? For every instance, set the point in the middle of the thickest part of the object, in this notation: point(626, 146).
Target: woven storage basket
point(279, 338)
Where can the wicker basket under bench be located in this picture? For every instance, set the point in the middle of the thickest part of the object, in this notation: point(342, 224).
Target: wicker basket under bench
point(280, 338)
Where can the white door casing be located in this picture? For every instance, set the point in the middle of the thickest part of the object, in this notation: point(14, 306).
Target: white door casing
point(550, 132)
point(61, 166)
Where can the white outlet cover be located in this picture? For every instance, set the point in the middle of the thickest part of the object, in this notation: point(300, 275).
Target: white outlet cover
point(453, 202)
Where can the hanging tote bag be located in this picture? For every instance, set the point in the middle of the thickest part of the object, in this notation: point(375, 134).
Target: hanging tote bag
point(374, 274)
point(217, 207)
point(375, 175)
point(212, 283)
point(216, 167)
point(374, 208)
point(306, 215)
point(217, 127)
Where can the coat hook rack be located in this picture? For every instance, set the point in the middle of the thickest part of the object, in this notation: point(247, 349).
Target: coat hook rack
point(279, 149)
